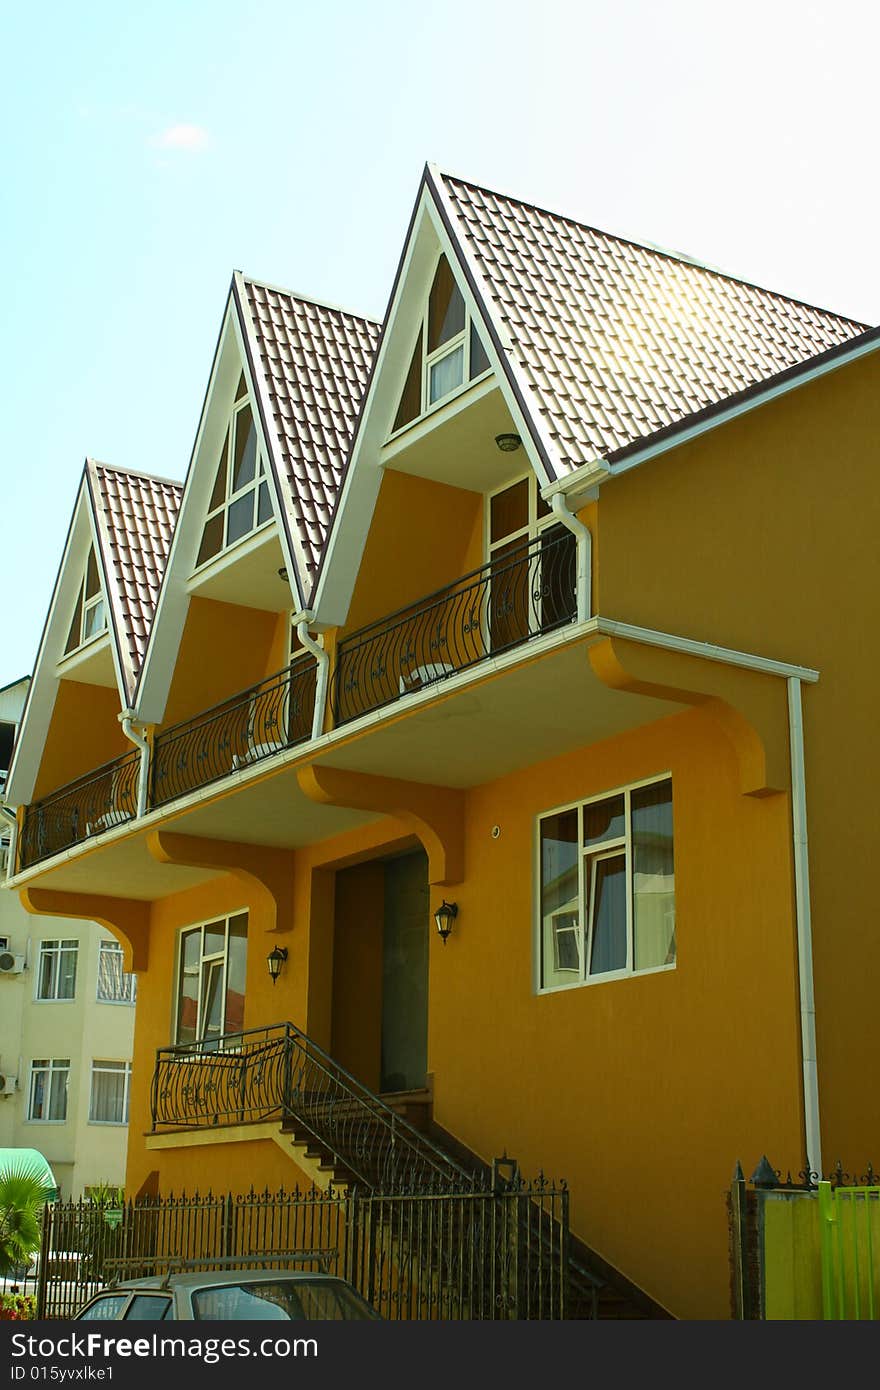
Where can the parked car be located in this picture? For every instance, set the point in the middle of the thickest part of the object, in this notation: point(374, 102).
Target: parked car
point(229, 1296)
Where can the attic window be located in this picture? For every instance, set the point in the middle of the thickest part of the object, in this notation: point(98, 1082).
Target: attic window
point(90, 613)
point(240, 501)
point(447, 353)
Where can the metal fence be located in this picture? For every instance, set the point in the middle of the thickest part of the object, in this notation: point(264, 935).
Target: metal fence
point(79, 810)
point(483, 1253)
point(849, 1224)
point(241, 731)
point(528, 588)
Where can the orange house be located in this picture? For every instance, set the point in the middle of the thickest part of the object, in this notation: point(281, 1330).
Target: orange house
point(528, 616)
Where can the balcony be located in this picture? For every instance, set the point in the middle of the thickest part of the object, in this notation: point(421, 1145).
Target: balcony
point(235, 734)
point(80, 810)
point(239, 732)
point(526, 590)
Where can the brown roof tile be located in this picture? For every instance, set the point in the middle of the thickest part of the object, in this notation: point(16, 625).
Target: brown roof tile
point(315, 361)
point(135, 515)
point(616, 340)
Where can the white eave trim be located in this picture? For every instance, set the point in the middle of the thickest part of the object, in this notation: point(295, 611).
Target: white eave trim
point(689, 646)
point(732, 412)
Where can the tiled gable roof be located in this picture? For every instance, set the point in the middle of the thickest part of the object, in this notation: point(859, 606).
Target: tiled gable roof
point(135, 515)
point(314, 362)
point(617, 341)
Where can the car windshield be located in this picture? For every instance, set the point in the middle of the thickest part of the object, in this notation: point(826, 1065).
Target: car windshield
point(280, 1301)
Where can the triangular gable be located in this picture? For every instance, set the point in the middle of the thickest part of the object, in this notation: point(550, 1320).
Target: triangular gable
point(230, 366)
point(82, 536)
point(599, 345)
point(309, 362)
point(304, 365)
point(431, 227)
point(617, 341)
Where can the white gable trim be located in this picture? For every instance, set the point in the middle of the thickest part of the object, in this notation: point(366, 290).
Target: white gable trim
point(291, 542)
point(230, 361)
point(112, 595)
point(37, 716)
point(360, 489)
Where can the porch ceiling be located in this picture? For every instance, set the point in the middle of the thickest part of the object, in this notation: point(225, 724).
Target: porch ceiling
point(523, 715)
point(456, 444)
point(273, 812)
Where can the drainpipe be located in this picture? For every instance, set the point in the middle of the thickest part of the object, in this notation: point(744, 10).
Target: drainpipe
point(560, 509)
point(137, 737)
point(804, 926)
point(323, 659)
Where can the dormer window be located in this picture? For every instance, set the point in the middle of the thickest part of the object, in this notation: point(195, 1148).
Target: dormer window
point(240, 501)
point(447, 354)
point(90, 614)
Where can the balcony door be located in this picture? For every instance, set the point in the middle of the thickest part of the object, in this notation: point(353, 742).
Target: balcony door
point(533, 565)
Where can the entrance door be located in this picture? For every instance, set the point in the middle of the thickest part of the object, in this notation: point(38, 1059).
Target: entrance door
point(405, 974)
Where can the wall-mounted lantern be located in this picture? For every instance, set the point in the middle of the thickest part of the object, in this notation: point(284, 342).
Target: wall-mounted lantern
point(275, 959)
point(444, 917)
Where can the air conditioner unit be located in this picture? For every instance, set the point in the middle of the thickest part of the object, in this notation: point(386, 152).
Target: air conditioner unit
point(10, 964)
point(7, 1084)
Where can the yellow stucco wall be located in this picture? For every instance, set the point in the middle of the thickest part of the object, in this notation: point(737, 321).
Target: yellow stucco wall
point(762, 536)
point(398, 567)
point(244, 644)
point(84, 733)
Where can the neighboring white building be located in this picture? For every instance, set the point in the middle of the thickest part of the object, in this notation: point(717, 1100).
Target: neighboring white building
point(66, 1028)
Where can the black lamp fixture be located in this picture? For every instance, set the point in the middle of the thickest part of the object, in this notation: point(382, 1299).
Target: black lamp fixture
point(444, 917)
point(508, 443)
point(275, 959)
point(282, 573)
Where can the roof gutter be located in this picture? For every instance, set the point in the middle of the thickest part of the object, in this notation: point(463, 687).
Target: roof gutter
point(795, 677)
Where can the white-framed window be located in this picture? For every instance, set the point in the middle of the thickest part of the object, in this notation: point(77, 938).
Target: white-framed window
point(211, 979)
point(90, 611)
point(47, 1100)
point(447, 355)
point(56, 970)
point(533, 564)
point(108, 1102)
point(607, 886)
point(115, 986)
point(240, 501)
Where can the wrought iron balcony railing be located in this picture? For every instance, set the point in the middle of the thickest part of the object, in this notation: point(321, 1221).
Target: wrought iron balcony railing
point(528, 588)
point(242, 730)
point(80, 810)
point(278, 1071)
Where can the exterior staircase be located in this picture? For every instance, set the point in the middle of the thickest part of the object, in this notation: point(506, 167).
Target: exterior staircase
point(386, 1148)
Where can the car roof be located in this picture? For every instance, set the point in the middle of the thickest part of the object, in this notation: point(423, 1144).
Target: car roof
point(199, 1278)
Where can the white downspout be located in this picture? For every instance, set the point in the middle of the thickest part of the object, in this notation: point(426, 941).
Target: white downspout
point(139, 740)
point(323, 659)
point(559, 507)
point(804, 926)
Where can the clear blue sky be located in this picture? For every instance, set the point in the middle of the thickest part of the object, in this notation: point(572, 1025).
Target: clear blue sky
point(149, 150)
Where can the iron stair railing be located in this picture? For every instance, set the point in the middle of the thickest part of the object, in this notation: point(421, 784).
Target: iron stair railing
point(280, 1072)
